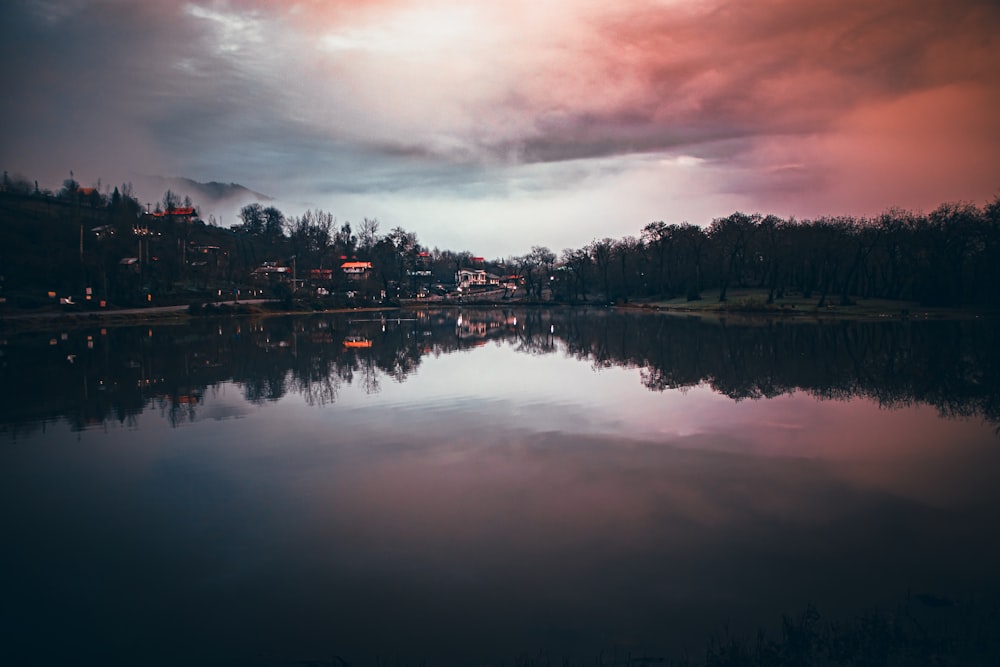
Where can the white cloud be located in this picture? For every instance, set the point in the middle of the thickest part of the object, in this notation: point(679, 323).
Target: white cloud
point(505, 125)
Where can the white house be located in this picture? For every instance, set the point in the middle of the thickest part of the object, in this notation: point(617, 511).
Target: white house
point(470, 278)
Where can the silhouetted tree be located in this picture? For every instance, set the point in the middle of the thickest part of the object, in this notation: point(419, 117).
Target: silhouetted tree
point(274, 223)
point(601, 253)
point(170, 201)
point(252, 216)
point(691, 241)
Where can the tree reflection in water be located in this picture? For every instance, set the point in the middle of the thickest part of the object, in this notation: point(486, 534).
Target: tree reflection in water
point(90, 376)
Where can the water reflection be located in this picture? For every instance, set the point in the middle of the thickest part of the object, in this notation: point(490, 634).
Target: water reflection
point(459, 488)
point(92, 376)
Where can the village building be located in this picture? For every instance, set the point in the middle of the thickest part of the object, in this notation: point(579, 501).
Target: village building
point(467, 279)
point(185, 214)
point(356, 270)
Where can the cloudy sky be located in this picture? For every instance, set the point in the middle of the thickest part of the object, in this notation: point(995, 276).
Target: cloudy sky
point(495, 126)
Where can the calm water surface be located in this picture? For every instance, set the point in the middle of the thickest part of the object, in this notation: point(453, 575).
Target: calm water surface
point(469, 487)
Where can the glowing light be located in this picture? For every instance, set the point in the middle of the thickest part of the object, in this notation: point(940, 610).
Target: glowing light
point(682, 161)
point(419, 29)
point(234, 29)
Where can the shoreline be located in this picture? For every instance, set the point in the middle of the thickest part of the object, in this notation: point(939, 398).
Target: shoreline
point(738, 308)
point(45, 321)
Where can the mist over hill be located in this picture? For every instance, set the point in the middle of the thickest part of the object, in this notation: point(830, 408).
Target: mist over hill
point(210, 197)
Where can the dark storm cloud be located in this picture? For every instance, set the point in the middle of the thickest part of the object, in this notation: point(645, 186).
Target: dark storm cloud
point(115, 88)
point(91, 79)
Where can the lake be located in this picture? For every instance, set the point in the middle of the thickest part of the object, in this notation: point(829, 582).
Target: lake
point(478, 486)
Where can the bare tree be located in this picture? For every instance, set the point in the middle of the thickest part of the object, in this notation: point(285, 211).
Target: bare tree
point(368, 234)
point(170, 201)
point(601, 253)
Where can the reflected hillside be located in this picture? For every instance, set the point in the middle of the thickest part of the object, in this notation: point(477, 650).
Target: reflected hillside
point(91, 377)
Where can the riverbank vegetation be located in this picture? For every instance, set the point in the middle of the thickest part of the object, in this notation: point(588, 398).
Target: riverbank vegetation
point(95, 248)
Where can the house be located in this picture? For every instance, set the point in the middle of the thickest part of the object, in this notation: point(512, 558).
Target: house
point(180, 214)
point(475, 278)
point(356, 270)
point(270, 271)
point(466, 278)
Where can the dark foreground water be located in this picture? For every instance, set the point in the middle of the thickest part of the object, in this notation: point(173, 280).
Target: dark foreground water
point(467, 488)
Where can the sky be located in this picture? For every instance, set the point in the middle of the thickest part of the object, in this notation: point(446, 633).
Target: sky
point(496, 126)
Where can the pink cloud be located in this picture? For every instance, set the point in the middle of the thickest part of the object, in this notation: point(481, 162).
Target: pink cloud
point(915, 151)
point(791, 107)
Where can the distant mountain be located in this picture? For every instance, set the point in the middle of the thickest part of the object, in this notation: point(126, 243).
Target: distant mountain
point(213, 190)
point(204, 195)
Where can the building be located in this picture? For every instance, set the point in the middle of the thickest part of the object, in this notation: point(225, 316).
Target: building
point(271, 272)
point(180, 214)
point(467, 279)
point(356, 270)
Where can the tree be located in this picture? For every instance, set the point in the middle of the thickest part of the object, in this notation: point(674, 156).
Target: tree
point(368, 234)
point(70, 188)
point(986, 274)
point(543, 260)
point(602, 253)
point(731, 236)
point(535, 268)
point(774, 255)
point(577, 263)
point(312, 238)
point(629, 256)
point(406, 250)
point(274, 223)
point(252, 216)
point(691, 249)
point(344, 241)
point(170, 201)
point(660, 237)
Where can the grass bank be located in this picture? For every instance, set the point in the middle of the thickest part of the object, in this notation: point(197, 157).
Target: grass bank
point(753, 303)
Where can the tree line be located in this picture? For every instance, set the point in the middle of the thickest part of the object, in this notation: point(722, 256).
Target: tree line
point(948, 257)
